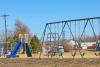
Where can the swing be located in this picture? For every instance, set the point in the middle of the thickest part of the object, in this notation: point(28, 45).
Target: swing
point(73, 51)
point(69, 26)
point(97, 49)
point(81, 52)
point(98, 44)
point(78, 47)
point(73, 54)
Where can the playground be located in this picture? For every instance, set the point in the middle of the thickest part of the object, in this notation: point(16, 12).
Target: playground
point(63, 44)
point(49, 33)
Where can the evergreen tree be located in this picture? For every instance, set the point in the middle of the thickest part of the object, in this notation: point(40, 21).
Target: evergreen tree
point(35, 44)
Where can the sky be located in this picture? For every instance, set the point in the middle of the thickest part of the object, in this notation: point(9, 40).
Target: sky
point(36, 13)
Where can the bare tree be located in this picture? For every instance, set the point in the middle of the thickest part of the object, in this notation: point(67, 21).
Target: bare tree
point(21, 28)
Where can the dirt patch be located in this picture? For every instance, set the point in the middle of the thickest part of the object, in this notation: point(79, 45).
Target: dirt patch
point(31, 62)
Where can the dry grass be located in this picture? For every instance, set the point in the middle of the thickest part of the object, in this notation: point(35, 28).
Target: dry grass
point(88, 54)
point(49, 62)
point(89, 60)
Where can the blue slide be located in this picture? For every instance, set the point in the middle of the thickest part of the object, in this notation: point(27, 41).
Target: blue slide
point(17, 48)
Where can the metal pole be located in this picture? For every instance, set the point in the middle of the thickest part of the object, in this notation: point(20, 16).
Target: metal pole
point(5, 20)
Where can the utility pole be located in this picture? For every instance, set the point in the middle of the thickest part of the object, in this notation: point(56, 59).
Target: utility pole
point(5, 20)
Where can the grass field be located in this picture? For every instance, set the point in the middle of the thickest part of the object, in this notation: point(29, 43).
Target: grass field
point(88, 54)
point(30, 62)
point(89, 60)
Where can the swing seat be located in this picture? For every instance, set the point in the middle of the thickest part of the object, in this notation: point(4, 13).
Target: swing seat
point(98, 47)
point(82, 53)
point(97, 54)
point(73, 54)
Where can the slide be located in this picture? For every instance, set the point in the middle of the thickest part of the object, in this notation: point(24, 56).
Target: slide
point(17, 48)
point(28, 50)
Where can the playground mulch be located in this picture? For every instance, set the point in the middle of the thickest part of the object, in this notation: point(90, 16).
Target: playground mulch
point(31, 62)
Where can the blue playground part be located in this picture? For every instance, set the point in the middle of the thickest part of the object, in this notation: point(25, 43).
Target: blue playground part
point(98, 47)
point(28, 50)
point(17, 48)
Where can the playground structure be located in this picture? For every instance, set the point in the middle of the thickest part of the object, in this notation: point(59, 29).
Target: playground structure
point(79, 31)
point(22, 42)
point(76, 34)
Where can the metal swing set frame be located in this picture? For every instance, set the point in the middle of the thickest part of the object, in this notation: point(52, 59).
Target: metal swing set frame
point(68, 24)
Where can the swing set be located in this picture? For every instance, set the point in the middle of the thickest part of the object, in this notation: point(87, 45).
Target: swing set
point(78, 30)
